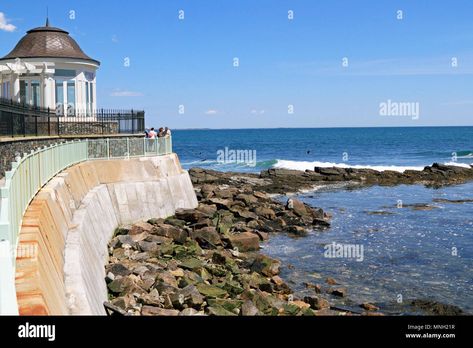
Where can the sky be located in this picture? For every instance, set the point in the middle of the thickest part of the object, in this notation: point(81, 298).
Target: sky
point(270, 63)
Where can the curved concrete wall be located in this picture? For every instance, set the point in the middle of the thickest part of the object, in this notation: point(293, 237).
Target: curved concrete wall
point(66, 229)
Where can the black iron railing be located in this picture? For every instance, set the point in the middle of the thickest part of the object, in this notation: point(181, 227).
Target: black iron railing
point(17, 119)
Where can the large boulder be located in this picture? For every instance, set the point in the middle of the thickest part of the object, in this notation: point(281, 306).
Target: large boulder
point(297, 231)
point(176, 234)
point(219, 311)
point(338, 291)
point(330, 171)
point(189, 296)
point(189, 215)
point(247, 198)
point(223, 221)
point(119, 269)
point(265, 265)
point(265, 212)
point(221, 203)
point(167, 278)
point(245, 241)
point(207, 190)
point(148, 246)
point(298, 207)
point(141, 227)
point(210, 290)
point(124, 285)
point(243, 212)
point(208, 209)
point(226, 193)
point(249, 309)
point(207, 236)
point(317, 302)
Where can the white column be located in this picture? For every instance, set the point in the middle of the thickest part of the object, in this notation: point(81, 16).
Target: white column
point(80, 96)
point(15, 95)
point(44, 91)
point(47, 92)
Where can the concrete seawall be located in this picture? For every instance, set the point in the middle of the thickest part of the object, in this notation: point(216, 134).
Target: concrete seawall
point(65, 231)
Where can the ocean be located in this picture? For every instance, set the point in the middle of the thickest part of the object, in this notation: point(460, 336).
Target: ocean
point(408, 252)
point(378, 148)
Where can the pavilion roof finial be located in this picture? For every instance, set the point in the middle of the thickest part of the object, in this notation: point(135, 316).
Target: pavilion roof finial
point(47, 16)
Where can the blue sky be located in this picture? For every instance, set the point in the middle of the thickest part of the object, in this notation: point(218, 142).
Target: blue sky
point(283, 62)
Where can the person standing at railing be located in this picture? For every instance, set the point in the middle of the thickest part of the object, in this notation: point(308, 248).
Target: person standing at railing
point(152, 133)
point(151, 142)
point(161, 141)
point(167, 140)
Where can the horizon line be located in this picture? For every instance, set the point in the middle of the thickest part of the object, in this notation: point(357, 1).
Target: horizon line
point(327, 127)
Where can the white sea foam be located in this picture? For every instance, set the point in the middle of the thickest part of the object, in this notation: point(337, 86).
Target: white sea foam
point(463, 165)
point(304, 165)
point(199, 162)
point(470, 155)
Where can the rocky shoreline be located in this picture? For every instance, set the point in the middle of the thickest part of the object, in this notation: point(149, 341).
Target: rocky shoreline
point(283, 181)
point(205, 261)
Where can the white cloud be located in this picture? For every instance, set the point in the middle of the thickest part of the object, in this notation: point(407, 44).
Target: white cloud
point(115, 39)
point(211, 112)
point(257, 112)
point(4, 25)
point(126, 94)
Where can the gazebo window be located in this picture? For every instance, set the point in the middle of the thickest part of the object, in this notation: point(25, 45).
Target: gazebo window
point(30, 92)
point(65, 73)
point(35, 93)
point(23, 92)
point(59, 97)
point(6, 90)
point(87, 97)
point(71, 98)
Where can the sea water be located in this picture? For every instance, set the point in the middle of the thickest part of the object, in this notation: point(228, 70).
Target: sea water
point(417, 244)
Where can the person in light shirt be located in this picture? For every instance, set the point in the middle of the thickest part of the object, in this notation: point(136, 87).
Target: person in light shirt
point(152, 133)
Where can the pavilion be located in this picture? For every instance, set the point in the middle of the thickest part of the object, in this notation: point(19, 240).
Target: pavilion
point(48, 69)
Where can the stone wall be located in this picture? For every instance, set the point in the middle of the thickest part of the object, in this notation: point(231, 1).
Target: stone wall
point(78, 128)
point(67, 227)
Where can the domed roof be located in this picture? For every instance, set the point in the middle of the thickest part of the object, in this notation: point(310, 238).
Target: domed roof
point(48, 42)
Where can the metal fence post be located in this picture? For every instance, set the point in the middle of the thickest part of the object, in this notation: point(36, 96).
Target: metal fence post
point(24, 126)
point(49, 122)
point(132, 123)
point(11, 124)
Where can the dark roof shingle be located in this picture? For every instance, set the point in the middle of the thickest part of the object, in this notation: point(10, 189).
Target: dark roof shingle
point(48, 42)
